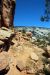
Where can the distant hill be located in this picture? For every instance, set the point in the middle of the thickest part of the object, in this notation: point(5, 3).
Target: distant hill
point(37, 31)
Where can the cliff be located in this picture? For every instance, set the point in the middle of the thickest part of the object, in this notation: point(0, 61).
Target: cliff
point(7, 10)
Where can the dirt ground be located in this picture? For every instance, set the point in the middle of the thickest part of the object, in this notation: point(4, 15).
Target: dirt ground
point(21, 51)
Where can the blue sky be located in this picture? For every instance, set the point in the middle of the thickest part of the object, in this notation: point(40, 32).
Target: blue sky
point(28, 13)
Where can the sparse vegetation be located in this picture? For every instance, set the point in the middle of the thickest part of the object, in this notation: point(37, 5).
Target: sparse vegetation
point(22, 49)
point(23, 32)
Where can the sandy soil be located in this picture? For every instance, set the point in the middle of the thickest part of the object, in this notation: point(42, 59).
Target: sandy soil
point(20, 51)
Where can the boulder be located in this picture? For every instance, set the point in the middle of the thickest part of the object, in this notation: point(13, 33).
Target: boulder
point(34, 56)
point(30, 70)
point(20, 65)
point(5, 33)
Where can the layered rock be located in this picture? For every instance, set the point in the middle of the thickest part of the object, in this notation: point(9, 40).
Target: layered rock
point(6, 36)
point(7, 12)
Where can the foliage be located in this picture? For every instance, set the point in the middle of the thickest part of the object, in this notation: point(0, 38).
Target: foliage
point(46, 16)
point(24, 31)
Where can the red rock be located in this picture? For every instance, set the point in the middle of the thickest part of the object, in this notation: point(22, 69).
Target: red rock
point(7, 12)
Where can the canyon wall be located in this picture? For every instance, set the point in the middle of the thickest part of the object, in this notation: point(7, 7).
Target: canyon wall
point(7, 10)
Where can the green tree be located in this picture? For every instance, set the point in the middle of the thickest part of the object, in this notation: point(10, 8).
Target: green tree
point(46, 16)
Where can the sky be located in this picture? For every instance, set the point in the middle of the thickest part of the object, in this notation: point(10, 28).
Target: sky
point(28, 13)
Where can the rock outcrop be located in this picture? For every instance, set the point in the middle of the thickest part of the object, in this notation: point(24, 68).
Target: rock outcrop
point(7, 12)
point(4, 65)
point(6, 36)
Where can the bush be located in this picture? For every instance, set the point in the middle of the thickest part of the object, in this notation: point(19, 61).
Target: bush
point(23, 31)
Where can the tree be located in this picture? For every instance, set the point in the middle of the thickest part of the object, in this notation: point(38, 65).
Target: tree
point(46, 16)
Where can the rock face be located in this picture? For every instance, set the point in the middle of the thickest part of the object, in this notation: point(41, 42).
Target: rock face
point(7, 12)
point(6, 36)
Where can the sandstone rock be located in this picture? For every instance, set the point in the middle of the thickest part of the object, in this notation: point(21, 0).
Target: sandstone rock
point(5, 34)
point(4, 28)
point(30, 70)
point(33, 67)
point(4, 65)
point(20, 65)
point(34, 56)
point(1, 42)
point(7, 12)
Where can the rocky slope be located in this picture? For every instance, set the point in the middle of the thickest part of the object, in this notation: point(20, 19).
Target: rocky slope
point(23, 57)
point(36, 31)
